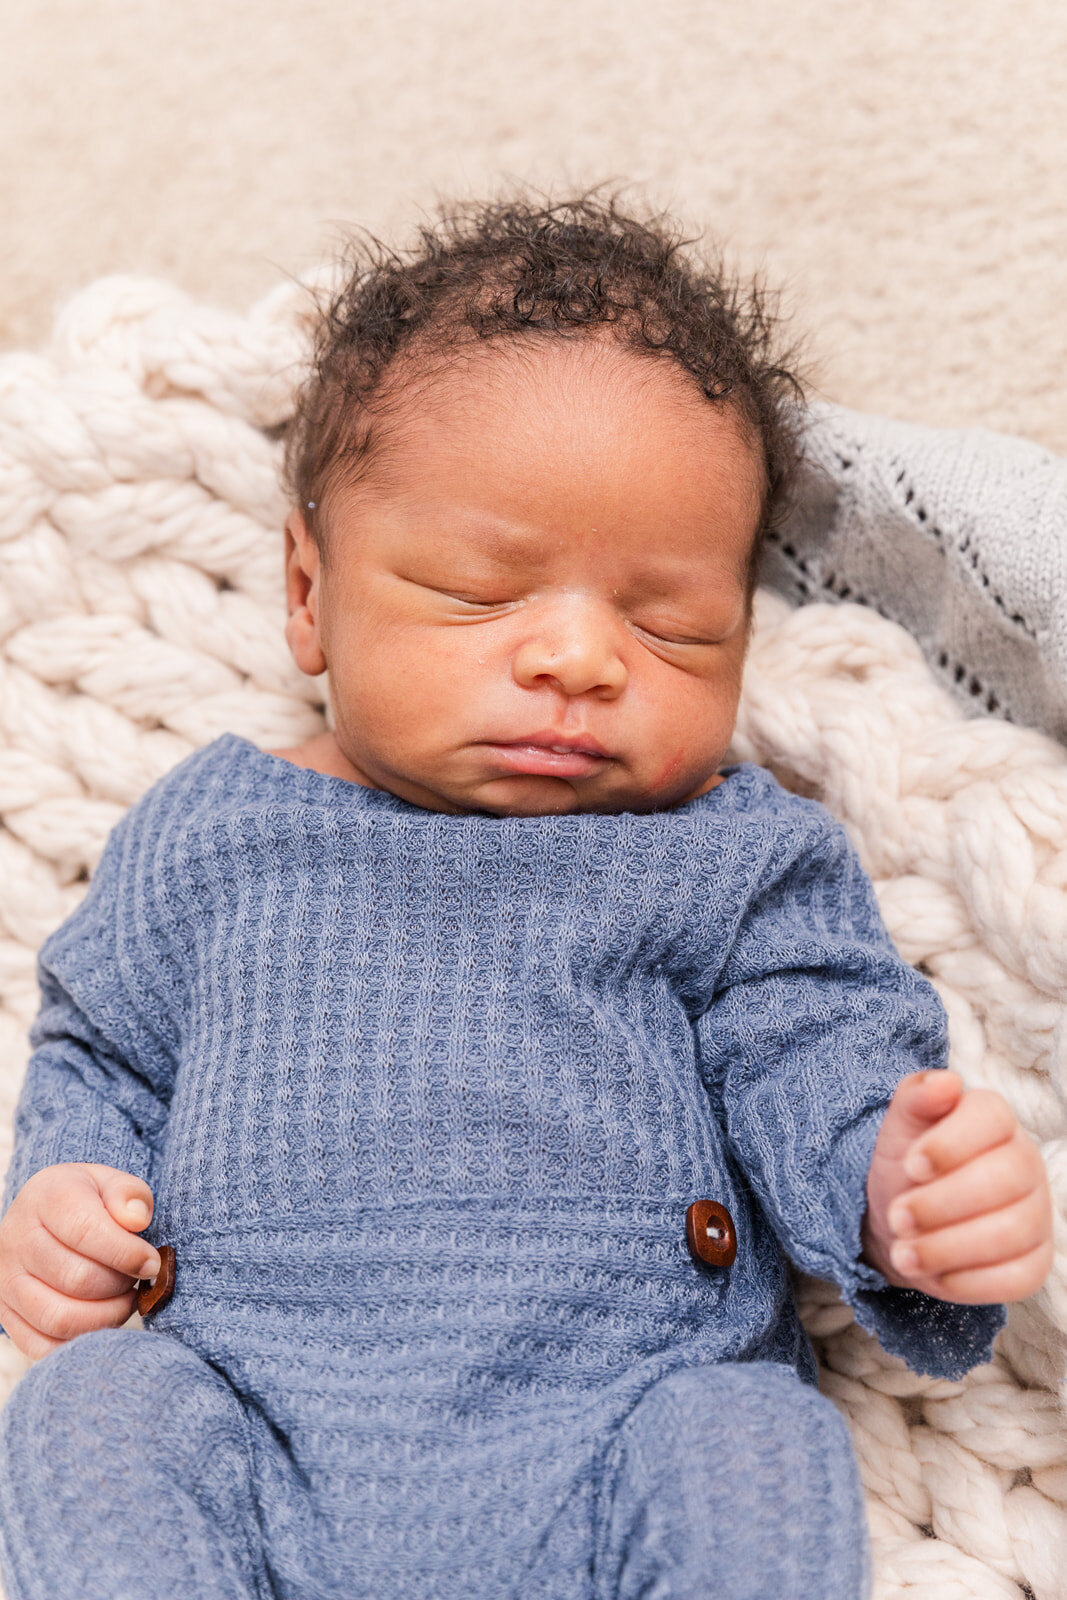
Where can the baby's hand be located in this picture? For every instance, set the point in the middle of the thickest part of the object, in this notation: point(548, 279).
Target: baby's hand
point(68, 1252)
point(958, 1201)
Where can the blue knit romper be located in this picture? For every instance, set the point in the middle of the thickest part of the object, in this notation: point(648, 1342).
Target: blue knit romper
point(423, 1100)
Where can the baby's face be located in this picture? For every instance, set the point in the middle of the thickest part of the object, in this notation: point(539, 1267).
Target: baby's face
point(551, 553)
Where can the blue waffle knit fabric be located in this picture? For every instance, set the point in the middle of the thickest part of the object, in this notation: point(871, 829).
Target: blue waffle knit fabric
point(422, 1100)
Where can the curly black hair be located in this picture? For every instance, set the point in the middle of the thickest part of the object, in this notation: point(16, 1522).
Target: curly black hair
point(516, 269)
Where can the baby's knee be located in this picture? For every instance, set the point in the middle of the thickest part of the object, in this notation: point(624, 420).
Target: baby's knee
point(770, 1394)
point(125, 1469)
point(726, 1411)
point(118, 1394)
point(739, 1470)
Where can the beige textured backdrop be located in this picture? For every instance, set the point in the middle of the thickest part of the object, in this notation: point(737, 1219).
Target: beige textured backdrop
point(899, 167)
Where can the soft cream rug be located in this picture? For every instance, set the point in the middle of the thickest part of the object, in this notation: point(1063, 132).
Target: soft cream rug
point(141, 611)
point(898, 166)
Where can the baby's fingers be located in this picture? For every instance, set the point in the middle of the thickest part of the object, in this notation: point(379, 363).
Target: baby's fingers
point(981, 1120)
point(75, 1213)
point(72, 1274)
point(997, 1237)
point(1007, 1280)
point(997, 1178)
point(23, 1337)
point(56, 1315)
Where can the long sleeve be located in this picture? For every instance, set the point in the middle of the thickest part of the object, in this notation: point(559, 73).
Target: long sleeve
point(814, 1022)
point(104, 1040)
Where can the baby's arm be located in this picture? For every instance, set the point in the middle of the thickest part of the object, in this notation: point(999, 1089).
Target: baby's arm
point(94, 1099)
point(958, 1201)
point(69, 1254)
point(814, 1023)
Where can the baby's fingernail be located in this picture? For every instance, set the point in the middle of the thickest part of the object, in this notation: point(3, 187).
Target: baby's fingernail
point(151, 1267)
point(902, 1222)
point(904, 1258)
point(137, 1212)
point(918, 1167)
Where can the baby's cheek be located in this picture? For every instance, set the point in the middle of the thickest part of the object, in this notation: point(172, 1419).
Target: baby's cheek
point(668, 772)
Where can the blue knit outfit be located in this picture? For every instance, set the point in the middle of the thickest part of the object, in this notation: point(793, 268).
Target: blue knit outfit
point(422, 1100)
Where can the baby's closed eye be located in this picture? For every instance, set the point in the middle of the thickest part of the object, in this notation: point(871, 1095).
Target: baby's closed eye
point(473, 599)
point(667, 635)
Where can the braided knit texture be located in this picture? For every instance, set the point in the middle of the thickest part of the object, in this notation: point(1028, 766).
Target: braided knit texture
point(141, 612)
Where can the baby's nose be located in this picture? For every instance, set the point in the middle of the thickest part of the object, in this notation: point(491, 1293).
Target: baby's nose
point(576, 650)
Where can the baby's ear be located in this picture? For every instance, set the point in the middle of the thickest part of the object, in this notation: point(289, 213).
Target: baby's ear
point(298, 537)
point(302, 570)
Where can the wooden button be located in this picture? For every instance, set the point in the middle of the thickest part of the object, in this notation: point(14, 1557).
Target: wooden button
point(150, 1296)
point(709, 1233)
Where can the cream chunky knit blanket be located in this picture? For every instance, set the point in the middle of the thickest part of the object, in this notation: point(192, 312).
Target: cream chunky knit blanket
point(141, 612)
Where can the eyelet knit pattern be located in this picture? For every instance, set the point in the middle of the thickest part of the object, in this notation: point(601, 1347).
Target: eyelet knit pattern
point(958, 534)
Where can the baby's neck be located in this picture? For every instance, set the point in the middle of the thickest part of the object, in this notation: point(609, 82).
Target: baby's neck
point(322, 754)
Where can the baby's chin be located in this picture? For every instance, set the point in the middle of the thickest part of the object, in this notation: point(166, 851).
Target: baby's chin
point(465, 787)
point(539, 796)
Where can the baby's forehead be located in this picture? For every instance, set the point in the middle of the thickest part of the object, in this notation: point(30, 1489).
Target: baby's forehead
point(568, 372)
point(557, 399)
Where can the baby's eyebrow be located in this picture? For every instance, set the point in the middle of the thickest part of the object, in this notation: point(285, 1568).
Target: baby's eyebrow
point(684, 580)
point(496, 544)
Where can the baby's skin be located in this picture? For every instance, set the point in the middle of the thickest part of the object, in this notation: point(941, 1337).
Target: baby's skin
point(536, 600)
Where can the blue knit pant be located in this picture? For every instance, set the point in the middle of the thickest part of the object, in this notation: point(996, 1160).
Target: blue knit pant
point(126, 1473)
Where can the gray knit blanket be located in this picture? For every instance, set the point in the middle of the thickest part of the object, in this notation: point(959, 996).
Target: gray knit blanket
point(960, 535)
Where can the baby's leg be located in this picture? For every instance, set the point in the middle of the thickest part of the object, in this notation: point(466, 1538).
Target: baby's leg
point(735, 1481)
point(125, 1474)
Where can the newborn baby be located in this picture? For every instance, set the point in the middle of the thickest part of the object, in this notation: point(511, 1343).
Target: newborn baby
point(487, 1058)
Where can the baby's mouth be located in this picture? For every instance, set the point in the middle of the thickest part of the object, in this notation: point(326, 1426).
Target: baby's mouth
point(571, 760)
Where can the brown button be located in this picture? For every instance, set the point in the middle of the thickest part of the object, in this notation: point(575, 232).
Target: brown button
point(709, 1233)
point(150, 1296)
